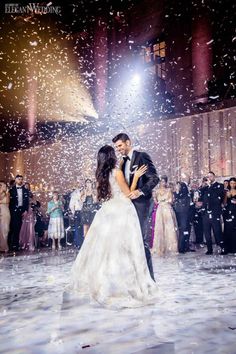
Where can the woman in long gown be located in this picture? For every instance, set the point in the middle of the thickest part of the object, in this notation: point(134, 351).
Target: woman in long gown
point(165, 235)
point(111, 267)
point(4, 217)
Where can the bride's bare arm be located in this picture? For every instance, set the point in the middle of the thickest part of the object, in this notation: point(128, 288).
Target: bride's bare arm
point(122, 182)
point(138, 173)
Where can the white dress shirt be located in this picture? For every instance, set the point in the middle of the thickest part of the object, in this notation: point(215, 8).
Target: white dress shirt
point(127, 166)
point(20, 196)
point(76, 203)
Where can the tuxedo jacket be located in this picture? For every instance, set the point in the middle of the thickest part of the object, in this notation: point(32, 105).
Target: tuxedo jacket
point(149, 180)
point(212, 198)
point(14, 199)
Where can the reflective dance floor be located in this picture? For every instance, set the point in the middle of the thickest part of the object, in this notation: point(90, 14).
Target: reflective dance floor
point(196, 312)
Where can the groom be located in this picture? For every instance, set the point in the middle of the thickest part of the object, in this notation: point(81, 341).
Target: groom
point(141, 197)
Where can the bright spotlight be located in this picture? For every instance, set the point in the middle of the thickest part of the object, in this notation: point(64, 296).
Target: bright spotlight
point(136, 79)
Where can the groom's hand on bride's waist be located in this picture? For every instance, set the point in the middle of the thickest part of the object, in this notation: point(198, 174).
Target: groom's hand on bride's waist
point(135, 194)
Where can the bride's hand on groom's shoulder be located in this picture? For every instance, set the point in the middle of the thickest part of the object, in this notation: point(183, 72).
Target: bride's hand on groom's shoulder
point(141, 171)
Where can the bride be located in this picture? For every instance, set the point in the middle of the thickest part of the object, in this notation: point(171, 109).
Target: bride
point(111, 266)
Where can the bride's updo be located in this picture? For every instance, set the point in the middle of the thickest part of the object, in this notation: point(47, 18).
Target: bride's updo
point(106, 162)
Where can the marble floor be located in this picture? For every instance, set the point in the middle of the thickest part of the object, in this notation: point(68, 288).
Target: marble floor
point(196, 312)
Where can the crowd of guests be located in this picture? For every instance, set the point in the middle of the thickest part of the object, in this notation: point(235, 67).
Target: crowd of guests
point(183, 217)
point(204, 209)
point(24, 226)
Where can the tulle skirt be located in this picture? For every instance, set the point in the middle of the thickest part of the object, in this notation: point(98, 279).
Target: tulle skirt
point(111, 266)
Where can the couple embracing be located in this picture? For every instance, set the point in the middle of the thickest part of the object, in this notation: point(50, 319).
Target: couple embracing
point(114, 265)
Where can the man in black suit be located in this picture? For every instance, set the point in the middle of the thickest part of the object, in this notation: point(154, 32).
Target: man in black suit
point(19, 204)
point(141, 197)
point(212, 199)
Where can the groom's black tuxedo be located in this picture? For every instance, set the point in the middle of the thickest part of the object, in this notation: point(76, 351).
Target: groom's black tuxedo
point(142, 204)
point(147, 182)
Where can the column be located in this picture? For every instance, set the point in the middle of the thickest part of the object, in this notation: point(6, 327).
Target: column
point(201, 57)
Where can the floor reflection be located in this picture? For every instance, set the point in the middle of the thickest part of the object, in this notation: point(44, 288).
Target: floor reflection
point(195, 313)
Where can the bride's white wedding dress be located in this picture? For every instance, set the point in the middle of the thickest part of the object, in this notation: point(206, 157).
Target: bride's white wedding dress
point(111, 266)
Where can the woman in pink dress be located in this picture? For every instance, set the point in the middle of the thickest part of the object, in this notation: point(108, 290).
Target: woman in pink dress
point(27, 239)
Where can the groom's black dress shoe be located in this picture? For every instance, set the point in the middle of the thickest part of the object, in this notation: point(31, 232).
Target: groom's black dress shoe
point(209, 252)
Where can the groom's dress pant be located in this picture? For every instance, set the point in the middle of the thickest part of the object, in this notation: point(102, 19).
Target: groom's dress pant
point(142, 208)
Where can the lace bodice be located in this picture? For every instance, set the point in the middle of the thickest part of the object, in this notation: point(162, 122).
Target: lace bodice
point(115, 188)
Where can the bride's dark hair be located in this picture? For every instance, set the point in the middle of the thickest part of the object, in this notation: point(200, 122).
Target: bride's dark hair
point(106, 162)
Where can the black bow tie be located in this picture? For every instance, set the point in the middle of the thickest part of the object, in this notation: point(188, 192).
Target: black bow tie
point(18, 187)
point(125, 158)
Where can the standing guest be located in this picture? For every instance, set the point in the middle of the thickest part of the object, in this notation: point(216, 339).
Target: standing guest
point(19, 204)
point(165, 238)
point(196, 206)
point(153, 217)
point(56, 223)
point(65, 198)
point(213, 196)
point(27, 232)
point(75, 206)
point(172, 186)
point(204, 182)
point(226, 189)
point(4, 216)
point(182, 211)
point(27, 186)
point(226, 185)
point(230, 218)
point(11, 184)
point(40, 225)
point(89, 205)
